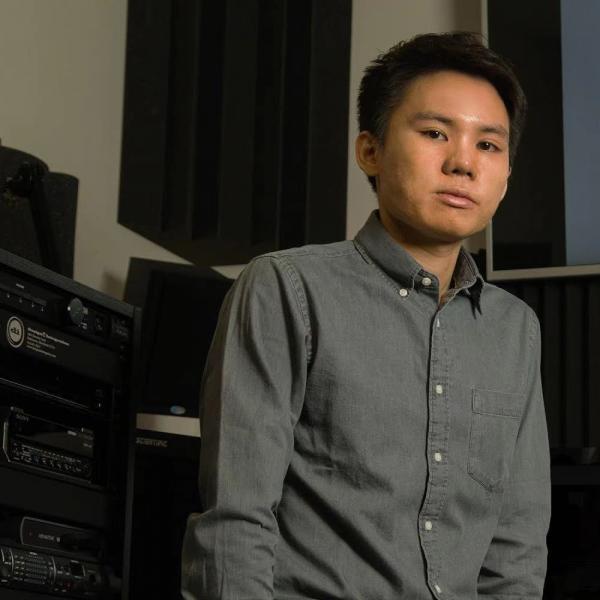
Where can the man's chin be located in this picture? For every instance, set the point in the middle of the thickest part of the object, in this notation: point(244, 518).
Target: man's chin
point(455, 234)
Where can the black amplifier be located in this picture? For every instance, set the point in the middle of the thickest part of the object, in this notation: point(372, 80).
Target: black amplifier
point(50, 536)
point(41, 444)
point(43, 572)
point(68, 313)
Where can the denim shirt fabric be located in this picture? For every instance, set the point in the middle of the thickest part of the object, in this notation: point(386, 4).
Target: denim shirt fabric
point(360, 441)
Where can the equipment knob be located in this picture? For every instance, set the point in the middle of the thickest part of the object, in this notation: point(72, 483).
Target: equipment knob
point(76, 311)
point(5, 571)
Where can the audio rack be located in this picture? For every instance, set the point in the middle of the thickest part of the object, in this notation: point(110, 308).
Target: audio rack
point(66, 436)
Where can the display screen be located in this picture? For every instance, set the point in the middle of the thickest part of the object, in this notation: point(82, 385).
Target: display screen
point(52, 435)
point(551, 213)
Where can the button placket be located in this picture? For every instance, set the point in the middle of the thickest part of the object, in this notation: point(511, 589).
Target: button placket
point(437, 447)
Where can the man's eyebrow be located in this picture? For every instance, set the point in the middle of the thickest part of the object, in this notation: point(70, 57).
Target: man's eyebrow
point(433, 116)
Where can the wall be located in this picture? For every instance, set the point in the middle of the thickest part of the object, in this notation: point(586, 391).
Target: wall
point(61, 76)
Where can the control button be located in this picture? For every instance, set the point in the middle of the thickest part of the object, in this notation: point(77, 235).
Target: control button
point(428, 525)
point(438, 457)
point(76, 311)
point(439, 389)
point(437, 323)
point(426, 281)
point(437, 588)
point(100, 325)
point(403, 292)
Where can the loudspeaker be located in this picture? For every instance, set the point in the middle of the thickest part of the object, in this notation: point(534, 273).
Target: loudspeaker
point(165, 493)
point(180, 310)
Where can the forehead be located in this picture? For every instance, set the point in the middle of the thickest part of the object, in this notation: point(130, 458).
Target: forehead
point(458, 95)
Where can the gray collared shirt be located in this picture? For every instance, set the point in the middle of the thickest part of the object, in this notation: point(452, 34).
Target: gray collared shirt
point(360, 441)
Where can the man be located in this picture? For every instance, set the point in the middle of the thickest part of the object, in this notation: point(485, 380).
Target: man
point(372, 415)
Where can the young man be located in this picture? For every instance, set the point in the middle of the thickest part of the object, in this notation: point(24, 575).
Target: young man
point(372, 417)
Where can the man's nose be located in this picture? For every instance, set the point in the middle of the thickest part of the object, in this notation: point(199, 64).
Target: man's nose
point(460, 160)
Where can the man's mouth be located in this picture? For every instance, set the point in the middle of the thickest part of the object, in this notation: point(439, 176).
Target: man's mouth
point(456, 197)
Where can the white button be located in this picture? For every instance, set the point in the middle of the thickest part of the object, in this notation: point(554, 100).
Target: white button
point(438, 457)
point(437, 588)
point(439, 389)
point(428, 525)
point(426, 281)
point(437, 323)
point(403, 292)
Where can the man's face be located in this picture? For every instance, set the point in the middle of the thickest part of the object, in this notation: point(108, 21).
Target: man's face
point(443, 167)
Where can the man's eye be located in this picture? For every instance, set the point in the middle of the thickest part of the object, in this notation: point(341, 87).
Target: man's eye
point(488, 147)
point(434, 134)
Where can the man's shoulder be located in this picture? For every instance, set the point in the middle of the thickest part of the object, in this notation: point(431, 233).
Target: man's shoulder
point(331, 250)
point(312, 257)
point(502, 297)
point(291, 273)
point(315, 261)
point(503, 304)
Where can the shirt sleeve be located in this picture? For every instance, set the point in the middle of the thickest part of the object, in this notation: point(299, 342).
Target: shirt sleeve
point(252, 394)
point(515, 565)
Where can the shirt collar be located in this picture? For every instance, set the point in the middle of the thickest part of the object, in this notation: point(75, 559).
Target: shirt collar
point(376, 245)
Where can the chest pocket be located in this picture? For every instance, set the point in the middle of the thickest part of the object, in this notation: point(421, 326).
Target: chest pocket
point(495, 421)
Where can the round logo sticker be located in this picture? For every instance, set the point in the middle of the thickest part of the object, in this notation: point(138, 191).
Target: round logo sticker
point(15, 332)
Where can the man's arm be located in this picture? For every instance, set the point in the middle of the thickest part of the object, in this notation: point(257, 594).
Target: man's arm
point(515, 565)
point(253, 389)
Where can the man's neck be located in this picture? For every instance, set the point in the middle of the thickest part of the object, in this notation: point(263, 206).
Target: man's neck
point(437, 258)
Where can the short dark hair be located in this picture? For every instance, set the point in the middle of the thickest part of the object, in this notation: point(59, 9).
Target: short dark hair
point(386, 79)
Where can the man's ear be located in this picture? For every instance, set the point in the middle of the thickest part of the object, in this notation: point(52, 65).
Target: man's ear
point(367, 153)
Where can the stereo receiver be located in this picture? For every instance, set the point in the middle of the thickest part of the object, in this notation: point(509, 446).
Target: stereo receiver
point(43, 572)
point(41, 444)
